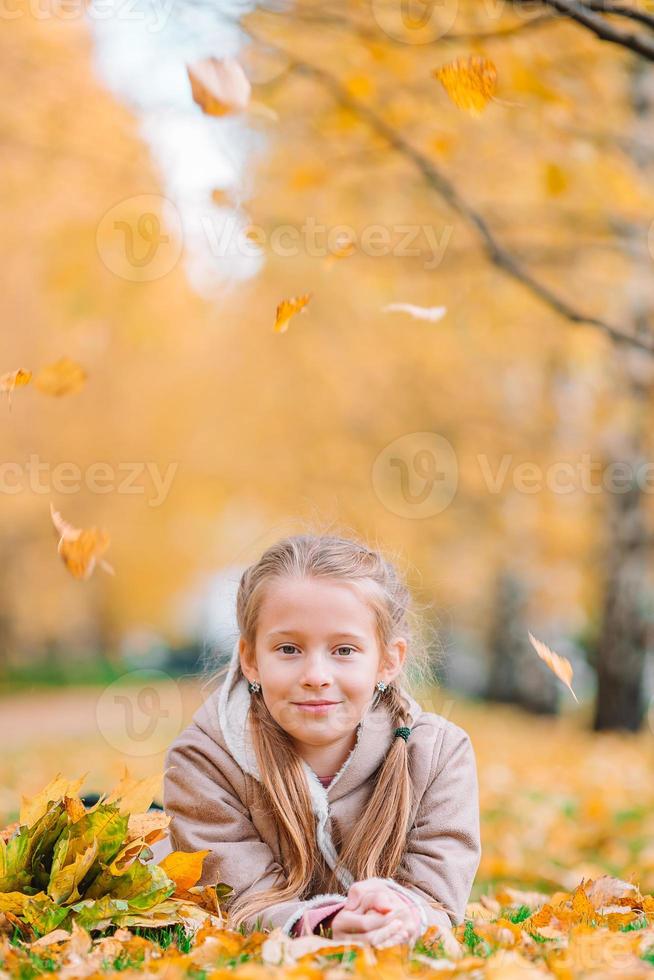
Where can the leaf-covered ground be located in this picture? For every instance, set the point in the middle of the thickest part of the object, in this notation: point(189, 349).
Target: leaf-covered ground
point(564, 886)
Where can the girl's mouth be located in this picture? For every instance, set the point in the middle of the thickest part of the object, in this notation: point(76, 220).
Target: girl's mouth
point(316, 708)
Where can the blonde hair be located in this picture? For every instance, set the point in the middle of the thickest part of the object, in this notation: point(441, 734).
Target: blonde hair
point(374, 848)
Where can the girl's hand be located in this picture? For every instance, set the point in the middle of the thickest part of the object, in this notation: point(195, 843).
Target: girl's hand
point(376, 914)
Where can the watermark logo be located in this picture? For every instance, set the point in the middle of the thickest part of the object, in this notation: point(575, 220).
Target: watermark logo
point(415, 21)
point(140, 714)
point(416, 476)
point(140, 238)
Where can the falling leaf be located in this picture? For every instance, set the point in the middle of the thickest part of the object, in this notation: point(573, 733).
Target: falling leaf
point(556, 179)
point(64, 377)
point(14, 379)
point(345, 246)
point(81, 549)
point(184, 868)
point(288, 308)
point(469, 82)
point(432, 313)
point(220, 196)
point(219, 86)
point(560, 666)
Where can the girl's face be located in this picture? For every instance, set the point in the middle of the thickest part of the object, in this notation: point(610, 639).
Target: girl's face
point(316, 642)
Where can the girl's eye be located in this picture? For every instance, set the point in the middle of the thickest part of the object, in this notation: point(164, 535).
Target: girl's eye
point(290, 647)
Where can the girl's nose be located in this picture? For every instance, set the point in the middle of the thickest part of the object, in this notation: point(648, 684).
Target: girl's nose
point(317, 671)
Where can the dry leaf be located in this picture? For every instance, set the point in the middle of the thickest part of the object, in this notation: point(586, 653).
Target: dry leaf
point(431, 313)
point(469, 82)
point(14, 379)
point(288, 308)
point(134, 796)
point(219, 86)
point(560, 666)
point(148, 826)
point(184, 868)
point(33, 807)
point(64, 377)
point(345, 246)
point(81, 549)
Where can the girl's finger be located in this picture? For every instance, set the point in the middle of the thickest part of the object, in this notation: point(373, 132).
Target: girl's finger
point(358, 922)
point(388, 932)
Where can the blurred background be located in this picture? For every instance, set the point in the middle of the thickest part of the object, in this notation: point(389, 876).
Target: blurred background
point(463, 191)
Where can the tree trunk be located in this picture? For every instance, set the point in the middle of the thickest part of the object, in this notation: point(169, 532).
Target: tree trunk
point(622, 644)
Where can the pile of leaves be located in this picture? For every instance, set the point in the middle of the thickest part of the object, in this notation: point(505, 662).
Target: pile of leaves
point(604, 928)
point(62, 863)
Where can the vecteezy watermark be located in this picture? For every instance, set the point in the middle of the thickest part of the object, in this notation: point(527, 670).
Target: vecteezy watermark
point(318, 240)
point(41, 477)
point(415, 21)
point(140, 238)
point(154, 14)
point(140, 713)
point(417, 475)
point(583, 475)
point(424, 21)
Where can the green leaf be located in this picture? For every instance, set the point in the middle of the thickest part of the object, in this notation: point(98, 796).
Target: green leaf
point(16, 856)
point(100, 914)
point(43, 914)
point(63, 884)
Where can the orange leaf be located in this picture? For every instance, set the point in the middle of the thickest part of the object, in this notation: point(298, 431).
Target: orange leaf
point(219, 86)
point(80, 549)
point(560, 666)
point(14, 379)
point(184, 868)
point(64, 377)
point(288, 308)
point(469, 82)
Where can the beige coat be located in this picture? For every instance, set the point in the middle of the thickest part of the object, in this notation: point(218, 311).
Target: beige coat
point(211, 793)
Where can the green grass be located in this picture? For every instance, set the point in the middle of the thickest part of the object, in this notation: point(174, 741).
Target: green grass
point(476, 945)
point(516, 915)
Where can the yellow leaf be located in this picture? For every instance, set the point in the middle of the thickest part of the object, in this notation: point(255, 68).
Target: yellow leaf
point(80, 549)
point(14, 379)
point(184, 868)
point(74, 808)
point(345, 246)
point(359, 86)
point(64, 377)
point(219, 86)
point(469, 82)
point(134, 795)
point(33, 807)
point(148, 827)
point(560, 666)
point(288, 308)
point(556, 179)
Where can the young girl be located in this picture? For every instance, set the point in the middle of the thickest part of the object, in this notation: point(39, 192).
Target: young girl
point(323, 792)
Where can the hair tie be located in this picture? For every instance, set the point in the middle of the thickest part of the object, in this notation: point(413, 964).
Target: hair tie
point(402, 733)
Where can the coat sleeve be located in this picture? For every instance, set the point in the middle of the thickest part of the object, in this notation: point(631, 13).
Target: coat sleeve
point(208, 814)
point(444, 845)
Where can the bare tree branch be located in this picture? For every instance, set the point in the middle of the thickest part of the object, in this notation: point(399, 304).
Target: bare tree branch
point(496, 252)
point(328, 19)
point(611, 7)
point(600, 26)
